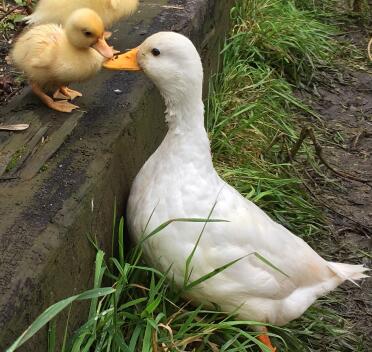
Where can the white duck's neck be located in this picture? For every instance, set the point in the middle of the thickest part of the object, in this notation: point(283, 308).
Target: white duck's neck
point(187, 139)
point(184, 115)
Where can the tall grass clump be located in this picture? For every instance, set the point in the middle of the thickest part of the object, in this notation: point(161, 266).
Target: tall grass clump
point(276, 32)
point(251, 114)
point(141, 311)
point(247, 111)
point(321, 6)
point(253, 119)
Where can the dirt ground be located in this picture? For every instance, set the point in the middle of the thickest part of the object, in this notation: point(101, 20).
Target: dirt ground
point(11, 83)
point(343, 99)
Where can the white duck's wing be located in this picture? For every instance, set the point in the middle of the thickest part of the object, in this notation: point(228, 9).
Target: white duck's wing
point(274, 261)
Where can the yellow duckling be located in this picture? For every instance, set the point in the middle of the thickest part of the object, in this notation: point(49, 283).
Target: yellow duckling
point(53, 57)
point(58, 11)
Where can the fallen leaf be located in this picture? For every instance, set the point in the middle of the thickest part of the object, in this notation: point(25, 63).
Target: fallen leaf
point(6, 84)
point(17, 127)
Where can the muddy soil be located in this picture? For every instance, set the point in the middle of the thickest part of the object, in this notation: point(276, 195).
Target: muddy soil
point(11, 82)
point(343, 99)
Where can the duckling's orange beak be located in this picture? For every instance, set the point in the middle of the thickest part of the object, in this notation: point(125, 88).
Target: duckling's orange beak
point(124, 62)
point(103, 48)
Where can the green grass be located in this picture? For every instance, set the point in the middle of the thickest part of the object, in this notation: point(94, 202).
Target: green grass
point(143, 312)
point(279, 35)
point(253, 120)
point(248, 109)
point(10, 21)
point(252, 104)
point(15, 158)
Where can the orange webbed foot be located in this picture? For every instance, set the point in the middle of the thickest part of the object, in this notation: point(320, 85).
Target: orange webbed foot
point(70, 93)
point(265, 339)
point(62, 105)
point(58, 95)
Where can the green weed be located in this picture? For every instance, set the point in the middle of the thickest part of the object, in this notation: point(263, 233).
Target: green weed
point(143, 311)
point(281, 36)
point(253, 121)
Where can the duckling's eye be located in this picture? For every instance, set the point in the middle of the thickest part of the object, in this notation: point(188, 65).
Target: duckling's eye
point(87, 33)
point(155, 52)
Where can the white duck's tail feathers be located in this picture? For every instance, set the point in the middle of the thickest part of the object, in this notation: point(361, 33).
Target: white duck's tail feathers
point(348, 271)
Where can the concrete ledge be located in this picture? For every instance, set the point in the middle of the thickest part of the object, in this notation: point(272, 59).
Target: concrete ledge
point(89, 157)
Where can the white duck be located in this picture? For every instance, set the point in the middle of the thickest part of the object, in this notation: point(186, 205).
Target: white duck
point(179, 181)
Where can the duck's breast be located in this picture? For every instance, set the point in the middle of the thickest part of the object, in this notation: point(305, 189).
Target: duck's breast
point(74, 65)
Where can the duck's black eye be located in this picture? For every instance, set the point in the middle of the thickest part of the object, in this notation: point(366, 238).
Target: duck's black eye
point(87, 33)
point(155, 52)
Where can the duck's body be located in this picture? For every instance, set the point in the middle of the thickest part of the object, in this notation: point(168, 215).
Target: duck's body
point(179, 181)
point(57, 11)
point(47, 57)
point(53, 57)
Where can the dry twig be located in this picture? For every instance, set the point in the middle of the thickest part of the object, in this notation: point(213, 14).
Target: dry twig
point(10, 11)
point(308, 132)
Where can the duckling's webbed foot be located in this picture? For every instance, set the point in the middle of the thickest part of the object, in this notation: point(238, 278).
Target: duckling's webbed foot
point(62, 106)
point(58, 95)
point(64, 92)
point(70, 92)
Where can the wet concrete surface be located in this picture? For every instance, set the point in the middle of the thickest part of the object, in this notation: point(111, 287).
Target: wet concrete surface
point(59, 179)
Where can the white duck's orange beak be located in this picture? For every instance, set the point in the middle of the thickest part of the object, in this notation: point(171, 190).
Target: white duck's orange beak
point(124, 62)
point(103, 48)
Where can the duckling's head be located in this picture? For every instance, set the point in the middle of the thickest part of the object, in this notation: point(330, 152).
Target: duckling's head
point(84, 29)
point(170, 60)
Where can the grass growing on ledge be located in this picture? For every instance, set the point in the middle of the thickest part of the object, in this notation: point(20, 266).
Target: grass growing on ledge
point(143, 311)
point(251, 124)
point(279, 35)
point(248, 109)
point(250, 114)
point(274, 45)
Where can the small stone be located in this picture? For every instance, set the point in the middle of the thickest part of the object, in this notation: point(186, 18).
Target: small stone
point(118, 91)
